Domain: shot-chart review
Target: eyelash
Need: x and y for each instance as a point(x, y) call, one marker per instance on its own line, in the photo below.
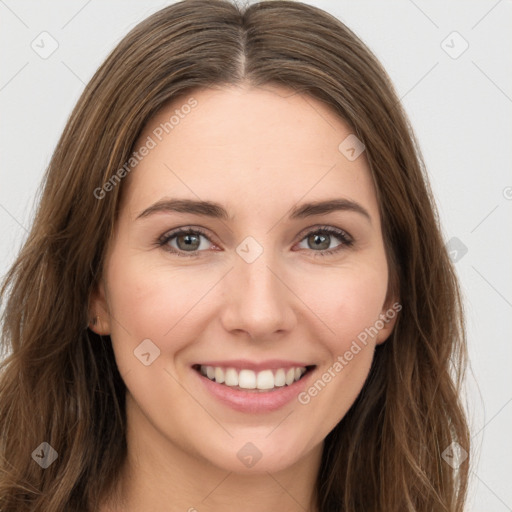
point(345, 239)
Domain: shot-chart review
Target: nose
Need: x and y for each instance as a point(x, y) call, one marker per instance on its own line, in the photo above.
point(258, 299)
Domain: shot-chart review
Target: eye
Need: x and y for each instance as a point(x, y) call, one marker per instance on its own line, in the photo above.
point(322, 237)
point(189, 240)
point(184, 240)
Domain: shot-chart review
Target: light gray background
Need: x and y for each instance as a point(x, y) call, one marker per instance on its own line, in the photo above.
point(460, 109)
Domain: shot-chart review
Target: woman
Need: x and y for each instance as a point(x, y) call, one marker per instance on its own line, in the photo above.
point(235, 294)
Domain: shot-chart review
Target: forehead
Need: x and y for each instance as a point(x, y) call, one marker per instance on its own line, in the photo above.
point(260, 143)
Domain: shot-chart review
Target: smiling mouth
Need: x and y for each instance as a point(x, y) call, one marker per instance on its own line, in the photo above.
point(251, 381)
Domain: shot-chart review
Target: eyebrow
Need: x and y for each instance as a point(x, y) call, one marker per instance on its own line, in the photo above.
point(217, 211)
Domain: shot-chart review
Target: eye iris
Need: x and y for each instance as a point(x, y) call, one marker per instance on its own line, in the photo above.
point(192, 242)
point(323, 239)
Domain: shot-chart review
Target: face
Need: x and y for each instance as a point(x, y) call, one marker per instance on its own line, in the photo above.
point(254, 290)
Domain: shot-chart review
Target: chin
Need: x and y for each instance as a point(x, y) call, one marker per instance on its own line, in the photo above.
point(260, 454)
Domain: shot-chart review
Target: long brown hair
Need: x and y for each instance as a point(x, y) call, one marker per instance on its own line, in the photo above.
point(59, 382)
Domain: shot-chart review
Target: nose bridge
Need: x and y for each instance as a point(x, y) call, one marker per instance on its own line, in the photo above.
point(258, 300)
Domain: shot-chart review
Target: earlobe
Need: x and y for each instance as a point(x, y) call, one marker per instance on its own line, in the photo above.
point(99, 317)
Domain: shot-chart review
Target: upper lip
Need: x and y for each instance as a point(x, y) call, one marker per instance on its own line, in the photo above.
point(269, 364)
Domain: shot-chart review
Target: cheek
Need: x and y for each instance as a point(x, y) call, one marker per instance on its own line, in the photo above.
point(350, 306)
point(153, 302)
point(348, 302)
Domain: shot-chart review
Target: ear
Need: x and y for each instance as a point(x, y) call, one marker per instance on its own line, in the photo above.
point(387, 320)
point(99, 316)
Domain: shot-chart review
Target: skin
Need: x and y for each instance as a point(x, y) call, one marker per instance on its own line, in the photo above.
point(258, 152)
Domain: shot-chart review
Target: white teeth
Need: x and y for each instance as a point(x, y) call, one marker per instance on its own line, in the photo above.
point(219, 375)
point(290, 376)
point(248, 379)
point(231, 377)
point(279, 378)
point(210, 372)
point(265, 380)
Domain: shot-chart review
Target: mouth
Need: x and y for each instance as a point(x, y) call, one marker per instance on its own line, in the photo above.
point(252, 381)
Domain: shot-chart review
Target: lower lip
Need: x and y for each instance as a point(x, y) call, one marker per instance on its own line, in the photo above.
point(255, 401)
